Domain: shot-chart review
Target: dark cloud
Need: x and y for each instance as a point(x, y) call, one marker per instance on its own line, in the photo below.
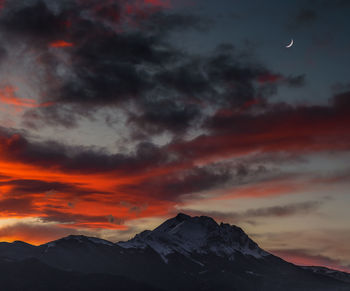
point(26, 187)
point(192, 180)
point(121, 54)
point(281, 211)
point(158, 116)
point(251, 215)
point(282, 128)
point(85, 220)
point(82, 159)
point(189, 79)
point(54, 115)
point(33, 20)
point(109, 66)
point(173, 186)
point(276, 128)
point(24, 206)
point(187, 89)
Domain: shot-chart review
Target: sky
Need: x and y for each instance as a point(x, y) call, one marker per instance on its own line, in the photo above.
point(118, 114)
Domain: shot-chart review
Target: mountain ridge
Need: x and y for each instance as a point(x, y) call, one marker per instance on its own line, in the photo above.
point(201, 234)
point(183, 253)
point(180, 217)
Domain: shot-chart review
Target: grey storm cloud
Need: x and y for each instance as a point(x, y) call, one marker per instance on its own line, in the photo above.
point(110, 63)
point(265, 212)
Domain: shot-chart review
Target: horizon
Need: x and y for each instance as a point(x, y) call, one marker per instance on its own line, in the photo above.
point(217, 222)
point(117, 114)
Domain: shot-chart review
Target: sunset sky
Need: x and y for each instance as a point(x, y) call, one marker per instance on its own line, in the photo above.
point(118, 114)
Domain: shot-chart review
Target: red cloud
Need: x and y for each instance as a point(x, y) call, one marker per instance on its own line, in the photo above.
point(61, 43)
point(281, 129)
point(87, 194)
point(8, 96)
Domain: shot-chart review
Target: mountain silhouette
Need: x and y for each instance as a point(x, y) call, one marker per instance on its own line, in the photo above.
point(183, 253)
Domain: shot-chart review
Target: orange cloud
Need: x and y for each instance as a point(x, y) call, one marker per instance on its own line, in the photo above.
point(8, 96)
point(72, 200)
point(61, 43)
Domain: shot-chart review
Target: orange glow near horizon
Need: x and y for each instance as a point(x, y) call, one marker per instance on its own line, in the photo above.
point(25, 238)
point(304, 260)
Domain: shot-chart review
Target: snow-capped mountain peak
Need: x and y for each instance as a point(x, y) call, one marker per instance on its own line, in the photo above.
point(195, 235)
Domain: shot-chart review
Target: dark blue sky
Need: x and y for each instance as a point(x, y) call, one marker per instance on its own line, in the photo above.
point(320, 30)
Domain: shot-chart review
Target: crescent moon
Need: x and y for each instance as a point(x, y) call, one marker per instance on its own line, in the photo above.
point(291, 44)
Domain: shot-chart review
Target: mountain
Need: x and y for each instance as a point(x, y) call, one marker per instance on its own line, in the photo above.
point(198, 235)
point(183, 253)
